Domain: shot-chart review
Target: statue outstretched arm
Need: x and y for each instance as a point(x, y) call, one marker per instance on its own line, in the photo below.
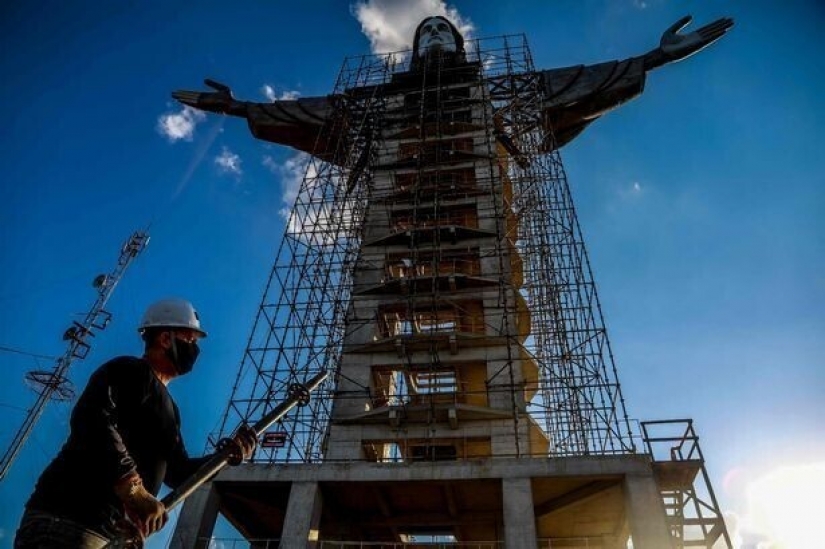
point(675, 47)
point(296, 123)
point(219, 101)
point(576, 96)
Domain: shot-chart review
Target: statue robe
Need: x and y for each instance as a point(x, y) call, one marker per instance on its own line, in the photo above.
point(574, 97)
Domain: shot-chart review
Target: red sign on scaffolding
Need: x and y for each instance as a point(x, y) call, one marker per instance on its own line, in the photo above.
point(274, 439)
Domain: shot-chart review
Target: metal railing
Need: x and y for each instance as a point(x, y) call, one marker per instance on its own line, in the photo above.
point(693, 512)
point(542, 543)
point(240, 543)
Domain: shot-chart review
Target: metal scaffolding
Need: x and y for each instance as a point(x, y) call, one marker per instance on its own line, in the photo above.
point(307, 312)
point(301, 321)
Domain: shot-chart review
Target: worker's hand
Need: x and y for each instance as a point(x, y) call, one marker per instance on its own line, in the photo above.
point(142, 508)
point(246, 439)
point(240, 446)
point(220, 101)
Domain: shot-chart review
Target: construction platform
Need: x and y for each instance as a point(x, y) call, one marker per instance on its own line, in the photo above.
point(594, 502)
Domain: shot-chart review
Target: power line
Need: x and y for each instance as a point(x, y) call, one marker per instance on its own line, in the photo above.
point(12, 407)
point(26, 353)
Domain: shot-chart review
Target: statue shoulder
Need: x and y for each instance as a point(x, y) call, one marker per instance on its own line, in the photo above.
point(568, 85)
point(302, 110)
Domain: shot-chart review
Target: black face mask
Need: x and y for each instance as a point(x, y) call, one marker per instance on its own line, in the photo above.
point(183, 355)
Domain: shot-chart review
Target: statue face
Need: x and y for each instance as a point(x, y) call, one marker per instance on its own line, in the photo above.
point(435, 34)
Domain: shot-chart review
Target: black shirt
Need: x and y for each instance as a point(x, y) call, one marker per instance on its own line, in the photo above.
point(124, 421)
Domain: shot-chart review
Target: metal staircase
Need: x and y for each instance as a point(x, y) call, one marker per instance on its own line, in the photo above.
point(693, 513)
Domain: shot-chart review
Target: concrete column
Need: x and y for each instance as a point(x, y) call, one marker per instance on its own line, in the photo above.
point(197, 519)
point(519, 516)
point(611, 542)
point(303, 516)
point(646, 511)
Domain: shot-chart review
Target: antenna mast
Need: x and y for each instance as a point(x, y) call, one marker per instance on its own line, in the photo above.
point(53, 384)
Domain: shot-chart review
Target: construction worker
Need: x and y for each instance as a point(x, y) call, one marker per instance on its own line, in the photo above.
point(124, 441)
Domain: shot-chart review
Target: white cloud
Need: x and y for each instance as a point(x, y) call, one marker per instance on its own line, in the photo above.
point(782, 508)
point(489, 61)
point(291, 174)
point(640, 4)
point(311, 203)
point(180, 125)
point(732, 523)
point(229, 162)
point(630, 192)
point(390, 24)
point(786, 504)
point(269, 162)
point(286, 95)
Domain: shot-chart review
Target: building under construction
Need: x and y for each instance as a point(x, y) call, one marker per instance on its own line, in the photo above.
point(434, 265)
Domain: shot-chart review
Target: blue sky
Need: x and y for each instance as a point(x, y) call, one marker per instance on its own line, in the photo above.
point(701, 202)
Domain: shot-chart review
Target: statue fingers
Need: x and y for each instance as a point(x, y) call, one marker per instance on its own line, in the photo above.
point(217, 85)
point(718, 27)
point(712, 34)
point(679, 25)
point(187, 97)
point(713, 37)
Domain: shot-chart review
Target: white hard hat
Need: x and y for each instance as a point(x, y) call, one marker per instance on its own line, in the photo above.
point(171, 313)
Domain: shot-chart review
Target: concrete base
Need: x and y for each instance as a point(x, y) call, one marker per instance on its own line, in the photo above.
point(519, 515)
point(643, 499)
point(303, 516)
point(599, 501)
point(197, 518)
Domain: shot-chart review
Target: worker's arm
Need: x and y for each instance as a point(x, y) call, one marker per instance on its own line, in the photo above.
point(180, 466)
point(95, 419)
point(116, 387)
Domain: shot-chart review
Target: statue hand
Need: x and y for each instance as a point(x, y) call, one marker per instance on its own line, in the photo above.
point(674, 46)
point(218, 101)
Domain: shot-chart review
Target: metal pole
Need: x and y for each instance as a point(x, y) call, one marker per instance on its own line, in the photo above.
point(298, 395)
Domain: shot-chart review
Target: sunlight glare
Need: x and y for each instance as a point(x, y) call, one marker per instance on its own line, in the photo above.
point(786, 505)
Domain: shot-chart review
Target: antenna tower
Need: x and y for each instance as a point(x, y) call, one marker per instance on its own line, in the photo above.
point(53, 384)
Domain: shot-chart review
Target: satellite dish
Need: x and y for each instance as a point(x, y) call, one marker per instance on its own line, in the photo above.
point(100, 281)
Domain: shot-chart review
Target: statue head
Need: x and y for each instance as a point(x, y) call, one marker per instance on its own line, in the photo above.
point(436, 34)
